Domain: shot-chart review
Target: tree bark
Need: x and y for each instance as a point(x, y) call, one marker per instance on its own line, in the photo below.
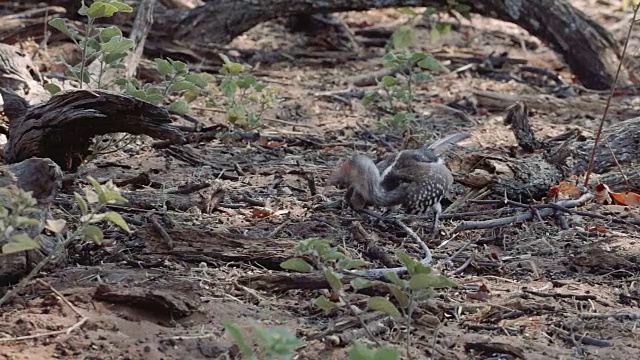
point(587, 47)
point(62, 128)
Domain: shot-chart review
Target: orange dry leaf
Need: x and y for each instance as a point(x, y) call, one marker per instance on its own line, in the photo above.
point(264, 141)
point(563, 191)
point(261, 212)
point(594, 229)
point(604, 195)
point(626, 199)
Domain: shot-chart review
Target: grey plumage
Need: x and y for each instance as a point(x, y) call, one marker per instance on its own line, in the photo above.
point(416, 180)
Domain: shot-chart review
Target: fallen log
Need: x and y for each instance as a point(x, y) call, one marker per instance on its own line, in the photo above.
point(594, 62)
point(62, 128)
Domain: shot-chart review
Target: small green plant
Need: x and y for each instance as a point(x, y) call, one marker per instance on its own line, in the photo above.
point(396, 93)
point(18, 215)
point(273, 343)
point(243, 97)
point(177, 83)
point(20, 203)
point(106, 45)
point(404, 35)
point(18, 218)
point(361, 351)
point(407, 293)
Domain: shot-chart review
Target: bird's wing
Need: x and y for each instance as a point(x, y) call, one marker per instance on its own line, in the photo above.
point(442, 144)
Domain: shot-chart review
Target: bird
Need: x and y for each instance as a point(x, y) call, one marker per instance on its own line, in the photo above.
point(415, 180)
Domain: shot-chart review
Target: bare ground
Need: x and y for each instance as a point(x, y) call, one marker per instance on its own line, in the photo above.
point(177, 300)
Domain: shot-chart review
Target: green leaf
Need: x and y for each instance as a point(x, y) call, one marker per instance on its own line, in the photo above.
point(381, 304)
point(246, 81)
point(74, 71)
point(399, 294)
point(228, 88)
point(112, 59)
point(117, 44)
point(116, 219)
point(99, 10)
point(387, 353)
point(360, 283)
point(236, 68)
point(190, 95)
point(348, 264)
point(325, 304)
point(407, 261)
point(93, 46)
point(183, 85)
point(111, 196)
point(196, 79)
point(360, 351)
point(394, 278)
point(26, 221)
point(408, 11)
point(417, 56)
point(93, 233)
point(83, 9)
point(60, 25)
point(425, 281)
point(52, 88)
point(429, 11)
point(431, 63)
point(122, 7)
point(224, 58)
point(403, 37)
point(19, 243)
point(389, 81)
point(438, 30)
point(155, 99)
point(163, 66)
point(96, 185)
point(84, 208)
point(108, 33)
point(278, 342)
point(122, 81)
point(297, 264)
point(334, 279)
point(238, 338)
point(179, 66)
point(180, 106)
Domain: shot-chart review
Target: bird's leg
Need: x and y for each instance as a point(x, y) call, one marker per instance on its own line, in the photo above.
point(437, 210)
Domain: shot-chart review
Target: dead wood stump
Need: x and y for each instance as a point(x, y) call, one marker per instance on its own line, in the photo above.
point(62, 128)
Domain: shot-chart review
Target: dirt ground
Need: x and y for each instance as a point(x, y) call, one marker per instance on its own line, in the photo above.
point(527, 289)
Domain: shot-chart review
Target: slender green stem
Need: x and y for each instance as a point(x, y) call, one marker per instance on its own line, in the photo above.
point(89, 28)
point(409, 314)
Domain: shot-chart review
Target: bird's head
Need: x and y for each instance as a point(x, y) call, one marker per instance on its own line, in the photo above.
point(354, 170)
